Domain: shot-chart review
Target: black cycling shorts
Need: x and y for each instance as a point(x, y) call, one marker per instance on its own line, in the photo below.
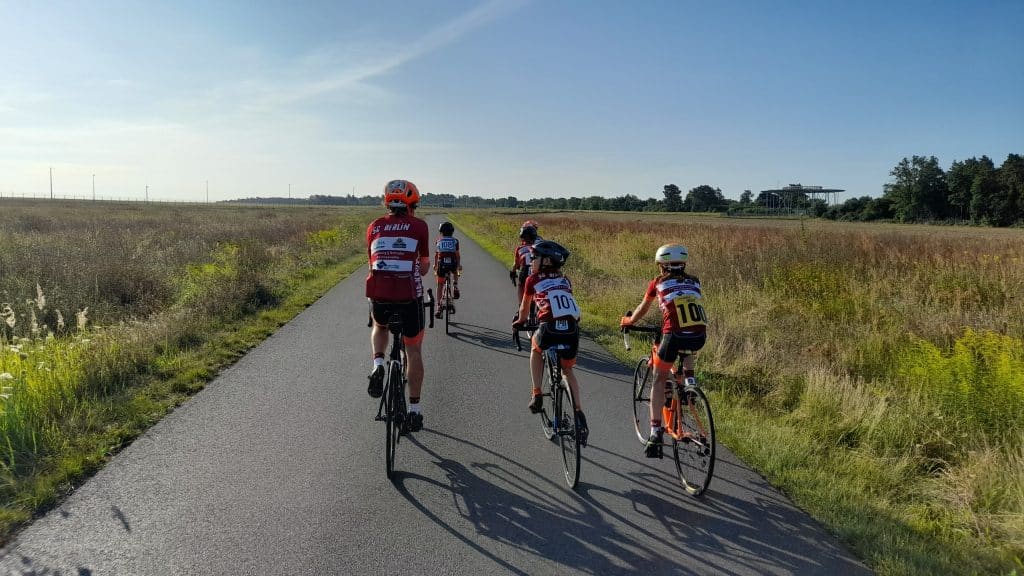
point(443, 269)
point(674, 343)
point(552, 333)
point(411, 313)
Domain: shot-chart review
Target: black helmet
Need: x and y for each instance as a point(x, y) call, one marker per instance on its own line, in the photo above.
point(528, 233)
point(447, 229)
point(553, 251)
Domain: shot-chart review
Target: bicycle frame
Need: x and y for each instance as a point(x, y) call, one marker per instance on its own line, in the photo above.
point(392, 405)
point(669, 415)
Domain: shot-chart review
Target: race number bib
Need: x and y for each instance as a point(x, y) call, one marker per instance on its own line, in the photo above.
point(446, 245)
point(689, 312)
point(563, 304)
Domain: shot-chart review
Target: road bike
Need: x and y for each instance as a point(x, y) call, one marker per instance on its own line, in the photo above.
point(392, 409)
point(687, 419)
point(448, 300)
point(558, 414)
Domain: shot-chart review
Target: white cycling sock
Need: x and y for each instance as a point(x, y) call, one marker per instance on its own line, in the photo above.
point(378, 362)
point(414, 408)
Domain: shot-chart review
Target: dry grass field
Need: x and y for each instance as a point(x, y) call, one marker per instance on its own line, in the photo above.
point(111, 314)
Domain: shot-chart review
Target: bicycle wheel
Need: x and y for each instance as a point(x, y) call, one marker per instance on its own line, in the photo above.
point(546, 424)
point(447, 302)
point(695, 453)
point(568, 439)
point(393, 417)
point(642, 390)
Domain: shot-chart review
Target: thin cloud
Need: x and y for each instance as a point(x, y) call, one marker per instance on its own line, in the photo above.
point(356, 75)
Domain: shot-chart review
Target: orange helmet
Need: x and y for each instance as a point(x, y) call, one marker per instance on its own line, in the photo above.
point(531, 223)
point(401, 194)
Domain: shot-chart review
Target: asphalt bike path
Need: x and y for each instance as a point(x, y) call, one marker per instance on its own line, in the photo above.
point(277, 467)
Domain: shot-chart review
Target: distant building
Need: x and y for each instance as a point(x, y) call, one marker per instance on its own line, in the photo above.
point(793, 195)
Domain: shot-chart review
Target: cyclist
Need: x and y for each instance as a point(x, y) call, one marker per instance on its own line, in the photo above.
point(447, 259)
point(558, 317)
point(521, 268)
point(397, 245)
point(683, 327)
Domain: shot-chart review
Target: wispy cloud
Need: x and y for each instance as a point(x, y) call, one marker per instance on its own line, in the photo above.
point(355, 75)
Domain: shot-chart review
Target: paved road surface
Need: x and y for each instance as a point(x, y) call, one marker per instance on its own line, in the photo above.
point(277, 468)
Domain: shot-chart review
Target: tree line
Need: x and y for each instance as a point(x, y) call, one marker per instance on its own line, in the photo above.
point(972, 190)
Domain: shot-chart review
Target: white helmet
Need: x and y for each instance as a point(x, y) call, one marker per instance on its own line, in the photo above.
point(671, 255)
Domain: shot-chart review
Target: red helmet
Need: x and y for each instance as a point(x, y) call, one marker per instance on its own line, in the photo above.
point(531, 224)
point(401, 194)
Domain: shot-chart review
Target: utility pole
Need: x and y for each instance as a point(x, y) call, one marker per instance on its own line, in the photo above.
point(147, 192)
point(51, 182)
point(289, 191)
point(93, 187)
point(207, 191)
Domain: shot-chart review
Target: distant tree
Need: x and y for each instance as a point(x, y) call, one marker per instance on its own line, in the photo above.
point(990, 202)
point(1011, 176)
point(877, 209)
point(673, 198)
point(704, 198)
point(960, 179)
point(818, 207)
point(747, 197)
point(918, 190)
point(852, 209)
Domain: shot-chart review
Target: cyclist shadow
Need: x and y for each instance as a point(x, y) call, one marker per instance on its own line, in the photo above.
point(702, 525)
point(489, 338)
point(511, 504)
point(592, 360)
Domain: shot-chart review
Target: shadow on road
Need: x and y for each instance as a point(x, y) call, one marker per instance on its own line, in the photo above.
point(512, 505)
point(30, 568)
point(508, 504)
point(488, 338)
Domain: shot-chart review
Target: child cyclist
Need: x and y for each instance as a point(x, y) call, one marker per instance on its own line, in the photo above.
point(558, 317)
point(683, 327)
point(447, 259)
point(521, 267)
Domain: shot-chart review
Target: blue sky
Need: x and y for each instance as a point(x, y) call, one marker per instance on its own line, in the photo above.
point(499, 97)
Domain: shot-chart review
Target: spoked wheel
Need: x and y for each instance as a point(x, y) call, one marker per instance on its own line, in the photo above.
point(642, 388)
point(394, 417)
point(567, 437)
point(695, 453)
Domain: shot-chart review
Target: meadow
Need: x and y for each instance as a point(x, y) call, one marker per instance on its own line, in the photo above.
point(111, 314)
point(874, 373)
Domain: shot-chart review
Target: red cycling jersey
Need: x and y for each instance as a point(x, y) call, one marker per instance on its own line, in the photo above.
point(523, 255)
point(552, 293)
point(680, 303)
point(395, 244)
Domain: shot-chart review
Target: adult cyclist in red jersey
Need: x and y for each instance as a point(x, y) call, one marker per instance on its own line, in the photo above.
point(683, 327)
point(447, 259)
point(398, 245)
point(558, 317)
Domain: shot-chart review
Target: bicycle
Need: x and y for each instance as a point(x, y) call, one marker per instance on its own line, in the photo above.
point(692, 430)
point(447, 301)
point(561, 423)
point(392, 408)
